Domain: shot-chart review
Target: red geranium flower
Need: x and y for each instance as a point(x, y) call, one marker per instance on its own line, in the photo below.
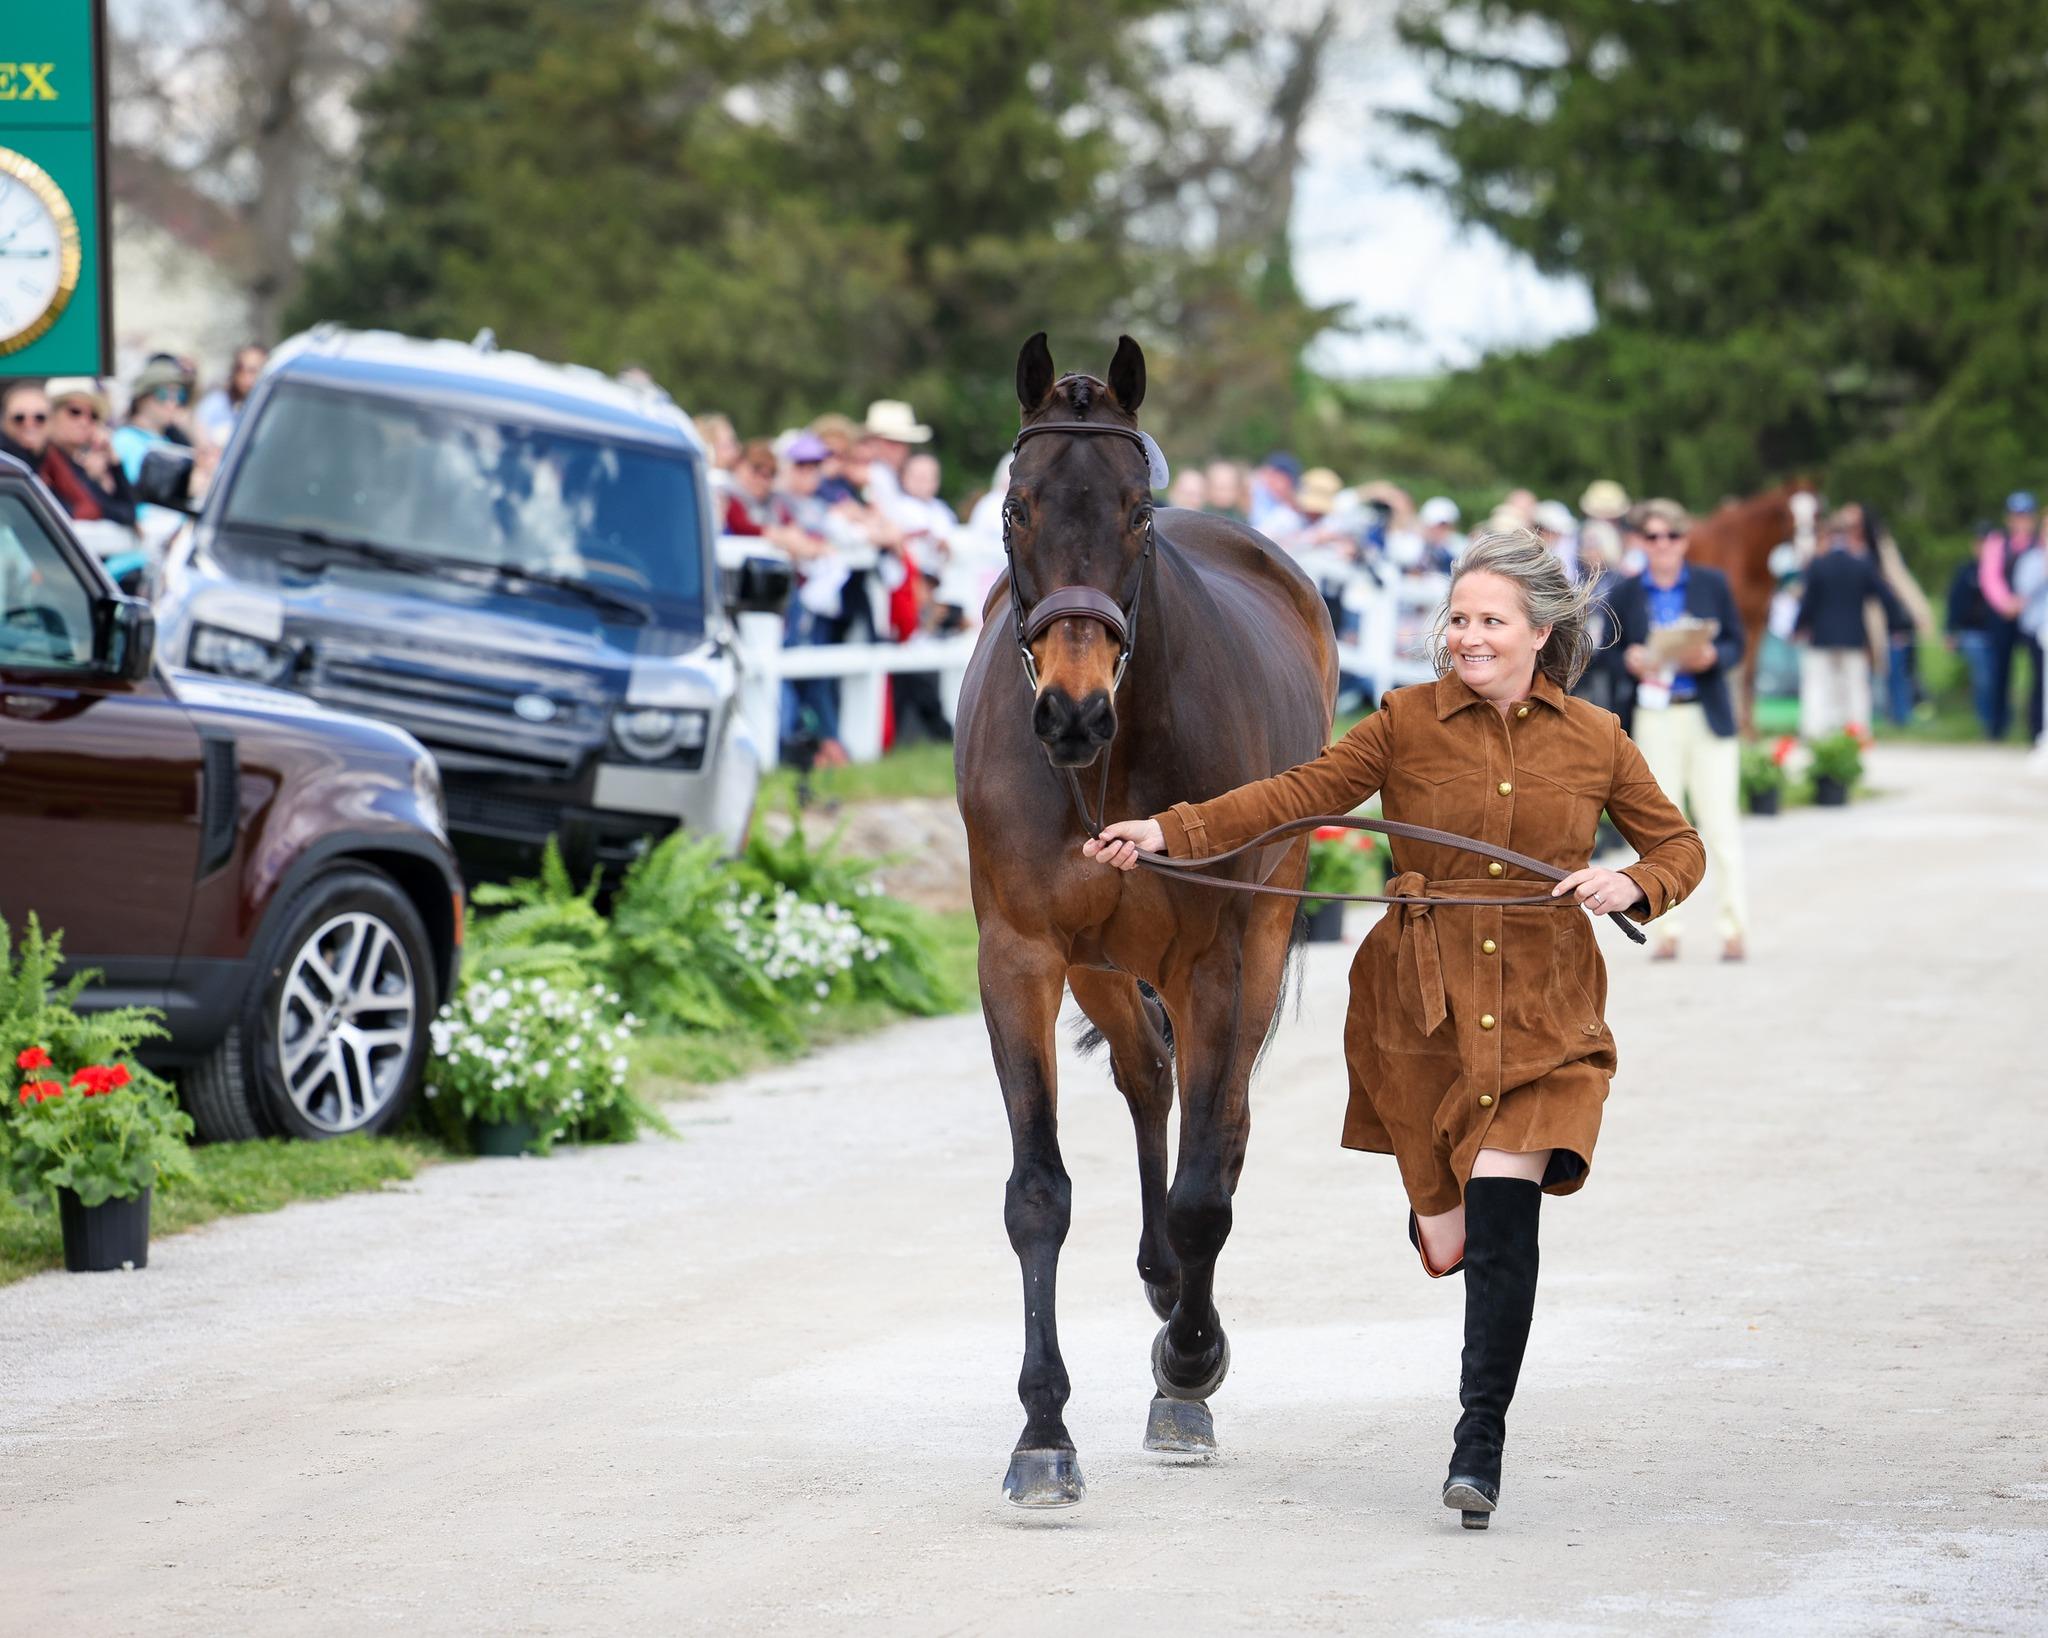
point(39, 1090)
point(1331, 833)
point(33, 1058)
point(98, 1078)
point(1787, 744)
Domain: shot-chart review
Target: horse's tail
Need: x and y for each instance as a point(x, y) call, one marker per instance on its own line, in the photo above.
point(1088, 1039)
point(1290, 985)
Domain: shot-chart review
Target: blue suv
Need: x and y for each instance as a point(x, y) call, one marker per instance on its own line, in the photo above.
point(512, 560)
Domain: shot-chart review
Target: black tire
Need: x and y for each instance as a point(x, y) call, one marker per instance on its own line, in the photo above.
point(240, 1089)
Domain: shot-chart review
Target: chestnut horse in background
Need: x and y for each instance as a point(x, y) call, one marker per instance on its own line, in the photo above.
point(1192, 655)
point(1738, 538)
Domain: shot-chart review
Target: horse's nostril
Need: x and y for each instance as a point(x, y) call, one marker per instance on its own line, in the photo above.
point(1051, 716)
point(1098, 718)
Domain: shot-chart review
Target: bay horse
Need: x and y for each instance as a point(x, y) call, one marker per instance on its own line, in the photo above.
point(1174, 655)
point(1739, 537)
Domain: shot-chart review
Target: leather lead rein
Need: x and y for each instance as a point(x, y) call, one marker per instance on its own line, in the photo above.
point(1097, 605)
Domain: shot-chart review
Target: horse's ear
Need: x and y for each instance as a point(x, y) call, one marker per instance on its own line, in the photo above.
point(1034, 373)
point(1127, 374)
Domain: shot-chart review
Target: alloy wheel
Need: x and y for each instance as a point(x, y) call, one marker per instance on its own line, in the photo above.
point(346, 1021)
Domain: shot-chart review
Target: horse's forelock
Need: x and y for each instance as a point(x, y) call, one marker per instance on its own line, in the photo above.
point(1074, 397)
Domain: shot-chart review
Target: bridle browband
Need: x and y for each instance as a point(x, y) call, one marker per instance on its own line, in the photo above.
point(1078, 601)
point(1122, 620)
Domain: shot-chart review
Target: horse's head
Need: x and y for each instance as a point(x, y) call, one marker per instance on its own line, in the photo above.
point(1078, 525)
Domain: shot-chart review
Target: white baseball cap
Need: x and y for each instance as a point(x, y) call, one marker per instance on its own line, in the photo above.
point(1555, 516)
point(1439, 509)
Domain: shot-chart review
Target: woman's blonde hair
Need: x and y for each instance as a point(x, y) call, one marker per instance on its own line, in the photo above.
point(1548, 599)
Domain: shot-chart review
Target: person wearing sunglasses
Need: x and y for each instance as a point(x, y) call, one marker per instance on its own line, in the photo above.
point(79, 466)
point(157, 407)
point(1682, 714)
point(25, 422)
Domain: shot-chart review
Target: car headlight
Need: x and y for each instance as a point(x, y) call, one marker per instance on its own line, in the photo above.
point(653, 734)
point(237, 654)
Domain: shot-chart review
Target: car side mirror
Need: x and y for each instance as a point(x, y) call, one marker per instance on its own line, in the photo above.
point(126, 638)
point(758, 585)
point(166, 480)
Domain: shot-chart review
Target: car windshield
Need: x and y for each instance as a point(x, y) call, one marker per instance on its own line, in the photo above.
point(475, 490)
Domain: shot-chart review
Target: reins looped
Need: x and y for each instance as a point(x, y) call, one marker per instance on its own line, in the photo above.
point(1097, 605)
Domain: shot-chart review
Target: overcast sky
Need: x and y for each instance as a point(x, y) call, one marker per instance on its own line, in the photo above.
point(1394, 252)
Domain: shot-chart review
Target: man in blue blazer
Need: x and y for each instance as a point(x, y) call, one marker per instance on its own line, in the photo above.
point(1680, 711)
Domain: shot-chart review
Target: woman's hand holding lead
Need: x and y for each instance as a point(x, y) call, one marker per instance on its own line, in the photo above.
point(1120, 843)
point(1601, 892)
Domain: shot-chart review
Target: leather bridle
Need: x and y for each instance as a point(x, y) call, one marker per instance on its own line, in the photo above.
point(1121, 618)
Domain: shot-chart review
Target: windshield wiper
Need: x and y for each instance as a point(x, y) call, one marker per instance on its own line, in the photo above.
point(370, 551)
point(512, 573)
point(475, 573)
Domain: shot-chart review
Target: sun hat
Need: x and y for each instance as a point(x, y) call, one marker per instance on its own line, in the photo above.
point(158, 373)
point(59, 388)
point(893, 419)
point(1604, 498)
point(1439, 509)
point(1318, 489)
point(1555, 516)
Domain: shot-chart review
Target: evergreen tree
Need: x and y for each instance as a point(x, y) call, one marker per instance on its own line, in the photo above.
point(783, 206)
point(1813, 231)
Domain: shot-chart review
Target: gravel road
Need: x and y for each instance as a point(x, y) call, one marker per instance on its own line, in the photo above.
point(1787, 1374)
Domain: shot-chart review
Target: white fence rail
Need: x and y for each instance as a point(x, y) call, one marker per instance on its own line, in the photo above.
point(1389, 649)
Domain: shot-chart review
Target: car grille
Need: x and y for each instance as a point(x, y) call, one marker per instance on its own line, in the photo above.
point(461, 713)
point(516, 818)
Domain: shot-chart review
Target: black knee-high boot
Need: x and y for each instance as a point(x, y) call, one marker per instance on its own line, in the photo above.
point(1500, 1297)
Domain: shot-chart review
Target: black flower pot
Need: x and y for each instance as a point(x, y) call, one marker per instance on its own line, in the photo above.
point(504, 1137)
point(97, 1239)
point(1326, 924)
point(1764, 802)
point(1829, 793)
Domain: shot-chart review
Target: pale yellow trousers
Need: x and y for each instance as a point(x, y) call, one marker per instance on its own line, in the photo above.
point(1701, 772)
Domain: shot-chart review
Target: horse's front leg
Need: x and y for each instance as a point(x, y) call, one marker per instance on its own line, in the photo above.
point(1021, 981)
point(1223, 1011)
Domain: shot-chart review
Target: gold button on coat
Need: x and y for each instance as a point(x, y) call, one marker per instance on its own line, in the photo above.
point(1506, 788)
point(1486, 1020)
point(1489, 946)
point(1522, 711)
point(1486, 1100)
point(1494, 869)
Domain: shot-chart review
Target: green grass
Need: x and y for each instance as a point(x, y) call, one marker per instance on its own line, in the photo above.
point(234, 1178)
point(917, 770)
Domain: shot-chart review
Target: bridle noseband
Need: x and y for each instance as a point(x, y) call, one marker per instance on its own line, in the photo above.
point(1084, 601)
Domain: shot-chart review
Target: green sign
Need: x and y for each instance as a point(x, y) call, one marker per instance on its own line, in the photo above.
point(55, 233)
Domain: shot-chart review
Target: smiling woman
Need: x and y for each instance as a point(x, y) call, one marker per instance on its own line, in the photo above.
point(1478, 1054)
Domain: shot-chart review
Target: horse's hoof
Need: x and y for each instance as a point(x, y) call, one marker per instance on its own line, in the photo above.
point(1176, 1390)
point(1162, 1298)
point(1044, 1478)
point(1180, 1427)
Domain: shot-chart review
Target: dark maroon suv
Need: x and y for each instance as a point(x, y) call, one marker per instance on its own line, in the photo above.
point(274, 875)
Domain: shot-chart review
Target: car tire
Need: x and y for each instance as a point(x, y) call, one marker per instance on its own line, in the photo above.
point(332, 1037)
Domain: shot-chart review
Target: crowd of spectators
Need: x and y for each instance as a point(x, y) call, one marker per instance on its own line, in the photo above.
point(88, 448)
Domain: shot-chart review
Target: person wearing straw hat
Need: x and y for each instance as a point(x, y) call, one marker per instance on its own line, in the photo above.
point(79, 465)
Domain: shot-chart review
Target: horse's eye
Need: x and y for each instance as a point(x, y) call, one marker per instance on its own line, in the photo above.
point(1014, 511)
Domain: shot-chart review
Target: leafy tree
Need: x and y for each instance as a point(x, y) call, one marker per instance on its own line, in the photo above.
point(782, 206)
point(1813, 231)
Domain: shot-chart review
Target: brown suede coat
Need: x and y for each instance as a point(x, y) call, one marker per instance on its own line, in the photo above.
point(1475, 1026)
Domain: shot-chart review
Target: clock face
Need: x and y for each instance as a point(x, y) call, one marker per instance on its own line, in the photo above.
point(39, 251)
